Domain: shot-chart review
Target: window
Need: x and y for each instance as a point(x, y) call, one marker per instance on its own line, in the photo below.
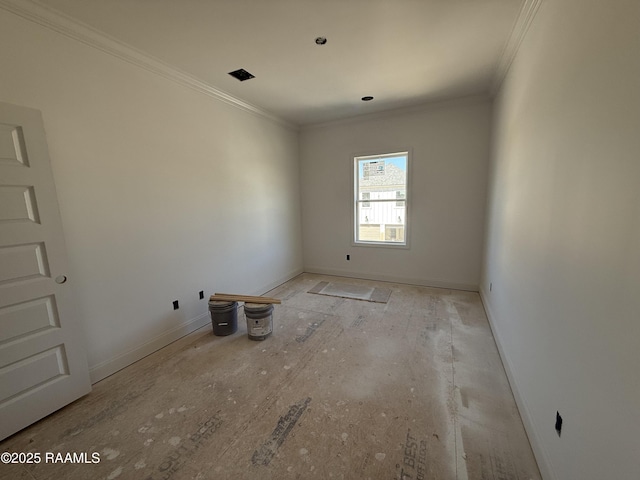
point(380, 199)
point(366, 196)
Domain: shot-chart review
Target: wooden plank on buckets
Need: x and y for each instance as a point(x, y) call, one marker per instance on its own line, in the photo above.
point(229, 297)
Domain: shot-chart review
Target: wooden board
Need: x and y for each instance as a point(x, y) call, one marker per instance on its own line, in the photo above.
point(228, 297)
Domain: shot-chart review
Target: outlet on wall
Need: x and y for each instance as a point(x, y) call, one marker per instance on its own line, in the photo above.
point(201, 294)
point(176, 305)
point(348, 257)
point(558, 423)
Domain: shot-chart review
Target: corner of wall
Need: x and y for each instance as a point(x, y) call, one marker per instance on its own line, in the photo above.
point(539, 451)
point(381, 277)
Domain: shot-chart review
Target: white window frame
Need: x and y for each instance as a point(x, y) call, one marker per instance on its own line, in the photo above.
point(355, 200)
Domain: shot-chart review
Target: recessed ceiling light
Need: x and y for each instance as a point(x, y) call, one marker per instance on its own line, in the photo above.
point(241, 74)
point(321, 40)
point(367, 98)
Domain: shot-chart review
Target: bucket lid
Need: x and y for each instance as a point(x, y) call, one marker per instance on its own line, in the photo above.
point(220, 303)
point(257, 306)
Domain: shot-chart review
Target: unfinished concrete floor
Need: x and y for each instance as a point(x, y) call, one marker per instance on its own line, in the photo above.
point(344, 389)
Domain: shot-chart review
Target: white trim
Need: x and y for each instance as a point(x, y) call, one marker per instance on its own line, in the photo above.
point(355, 158)
point(382, 200)
point(112, 365)
point(542, 457)
point(381, 277)
point(279, 281)
point(520, 27)
point(419, 108)
point(58, 22)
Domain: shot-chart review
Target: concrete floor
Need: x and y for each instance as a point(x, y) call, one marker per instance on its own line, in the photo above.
point(344, 389)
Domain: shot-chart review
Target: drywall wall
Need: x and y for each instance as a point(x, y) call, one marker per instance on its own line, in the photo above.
point(450, 151)
point(562, 262)
point(163, 191)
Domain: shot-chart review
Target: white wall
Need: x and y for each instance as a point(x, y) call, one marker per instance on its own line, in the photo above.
point(450, 145)
point(163, 191)
point(563, 236)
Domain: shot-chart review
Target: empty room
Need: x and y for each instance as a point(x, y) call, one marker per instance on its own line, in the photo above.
point(291, 239)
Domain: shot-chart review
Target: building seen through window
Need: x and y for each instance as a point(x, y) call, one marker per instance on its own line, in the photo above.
point(380, 194)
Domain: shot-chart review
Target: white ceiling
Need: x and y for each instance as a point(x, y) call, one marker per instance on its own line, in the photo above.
point(402, 52)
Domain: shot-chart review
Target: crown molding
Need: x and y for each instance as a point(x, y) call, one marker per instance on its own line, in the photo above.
point(61, 23)
point(419, 108)
point(518, 32)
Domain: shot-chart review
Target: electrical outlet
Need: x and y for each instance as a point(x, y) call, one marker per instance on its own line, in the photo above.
point(490, 286)
point(176, 305)
point(348, 257)
point(201, 294)
point(558, 423)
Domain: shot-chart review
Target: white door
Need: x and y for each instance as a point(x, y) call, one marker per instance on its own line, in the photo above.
point(42, 361)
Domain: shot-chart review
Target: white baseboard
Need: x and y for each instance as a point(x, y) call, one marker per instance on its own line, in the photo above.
point(537, 446)
point(279, 281)
point(112, 365)
point(393, 279)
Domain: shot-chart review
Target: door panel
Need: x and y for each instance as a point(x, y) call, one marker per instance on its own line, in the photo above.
point(12, 149)
point(22, 262)
point(42, 362)
point(28, 317)
point(30, 373)
point(17, 204)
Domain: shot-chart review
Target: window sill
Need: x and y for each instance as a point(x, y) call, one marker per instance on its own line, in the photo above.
point(402, 246)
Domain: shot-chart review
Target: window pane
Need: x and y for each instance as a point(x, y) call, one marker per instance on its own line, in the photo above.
point(381, 222)
point(381, 198)
point(394, 233)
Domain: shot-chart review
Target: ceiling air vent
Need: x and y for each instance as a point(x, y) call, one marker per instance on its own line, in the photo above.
point(241, 75)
